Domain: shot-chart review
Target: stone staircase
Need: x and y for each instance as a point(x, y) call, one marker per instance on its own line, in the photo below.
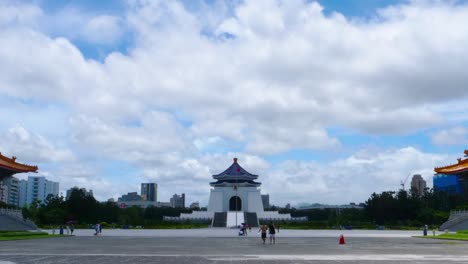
point(251, 219)
point(458, 220)
point(219, 219)
point(234, 219)
point(12, 220)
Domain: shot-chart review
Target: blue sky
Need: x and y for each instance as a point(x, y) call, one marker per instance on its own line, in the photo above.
point(318, 98)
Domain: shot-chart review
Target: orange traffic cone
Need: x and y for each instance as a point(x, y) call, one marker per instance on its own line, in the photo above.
point(342, 242)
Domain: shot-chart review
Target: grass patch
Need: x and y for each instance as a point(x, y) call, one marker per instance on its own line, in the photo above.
point(19, 235)
point(460, 235)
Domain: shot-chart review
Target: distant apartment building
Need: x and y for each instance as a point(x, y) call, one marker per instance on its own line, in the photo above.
point(418, 184)
point(23, 192)
point(266, 201)
point(13, 190)
point(195, 205)
point(3, 193)
point(178, 201)
point(130, 197)
point(86, 193)
point(149, 192)
point(36, 188)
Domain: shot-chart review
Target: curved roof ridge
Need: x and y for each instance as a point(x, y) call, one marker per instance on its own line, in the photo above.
point(235, 171)
point(460, 166)
point(11, 164)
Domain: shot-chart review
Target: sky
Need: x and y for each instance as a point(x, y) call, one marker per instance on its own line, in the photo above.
point(327, 101)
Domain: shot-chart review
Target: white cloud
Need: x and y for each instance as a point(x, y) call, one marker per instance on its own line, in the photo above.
point(452, 136)
point(19, 14)
point(103, 29)
point(157, 139)
point(31, 147)
point(287, 74)
point(277, 139)
point(352, 179)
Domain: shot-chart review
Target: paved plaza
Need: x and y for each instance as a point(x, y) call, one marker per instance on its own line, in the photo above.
point(223, 246)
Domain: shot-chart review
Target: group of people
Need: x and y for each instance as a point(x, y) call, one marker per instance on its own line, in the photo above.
point(98, 229)
point(69, 228)
point(271, 228)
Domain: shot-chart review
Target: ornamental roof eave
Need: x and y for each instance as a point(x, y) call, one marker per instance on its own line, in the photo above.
point(235, 171)
point(227, 183)
point(450, 170)
point(11, 164)
point(460, 166)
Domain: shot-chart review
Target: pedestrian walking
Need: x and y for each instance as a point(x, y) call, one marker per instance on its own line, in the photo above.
point(263, 229)
point(96, 228)
point(272, 232)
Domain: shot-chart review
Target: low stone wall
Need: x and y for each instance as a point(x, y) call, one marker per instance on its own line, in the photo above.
point(275, 216)
point(12, 212)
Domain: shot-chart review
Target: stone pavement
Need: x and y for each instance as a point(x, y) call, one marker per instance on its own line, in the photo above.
point(225, 232)
point(359, 248)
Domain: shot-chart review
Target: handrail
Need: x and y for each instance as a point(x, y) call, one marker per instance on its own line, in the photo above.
point(455, 217)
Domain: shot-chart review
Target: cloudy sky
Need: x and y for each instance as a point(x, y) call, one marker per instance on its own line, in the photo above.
point(328, 101)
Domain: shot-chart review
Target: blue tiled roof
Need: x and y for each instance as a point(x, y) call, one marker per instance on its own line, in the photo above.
point(235, 171)
point(235, 181)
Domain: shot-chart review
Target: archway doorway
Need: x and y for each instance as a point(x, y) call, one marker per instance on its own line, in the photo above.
point(235, 204)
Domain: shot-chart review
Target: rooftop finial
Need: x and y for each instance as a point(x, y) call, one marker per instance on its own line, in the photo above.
point(235, 160)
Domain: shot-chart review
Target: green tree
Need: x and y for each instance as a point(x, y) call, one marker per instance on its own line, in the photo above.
point(81, 207)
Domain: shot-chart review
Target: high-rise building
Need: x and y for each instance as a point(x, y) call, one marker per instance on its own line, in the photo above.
point(36, 188)
point(418, 184)
point(178, 201)
point(13, 190)
point(87, 193)
point(266, 200)
point(149, 191)
point(23, 192)
point(3, 193)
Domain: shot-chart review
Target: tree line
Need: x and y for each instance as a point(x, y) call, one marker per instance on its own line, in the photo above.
point(394, 209)
point(397, 209)
point(83, 210)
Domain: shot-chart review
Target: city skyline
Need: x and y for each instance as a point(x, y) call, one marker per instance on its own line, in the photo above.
point(327, 101)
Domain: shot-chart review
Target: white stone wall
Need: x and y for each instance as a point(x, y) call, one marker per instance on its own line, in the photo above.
point(255, 201)
point(273, 215)
point(250, 197)
point(197, 215)
point(216, 201)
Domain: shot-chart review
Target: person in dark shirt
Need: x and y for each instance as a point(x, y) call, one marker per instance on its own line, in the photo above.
point(272, 232)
